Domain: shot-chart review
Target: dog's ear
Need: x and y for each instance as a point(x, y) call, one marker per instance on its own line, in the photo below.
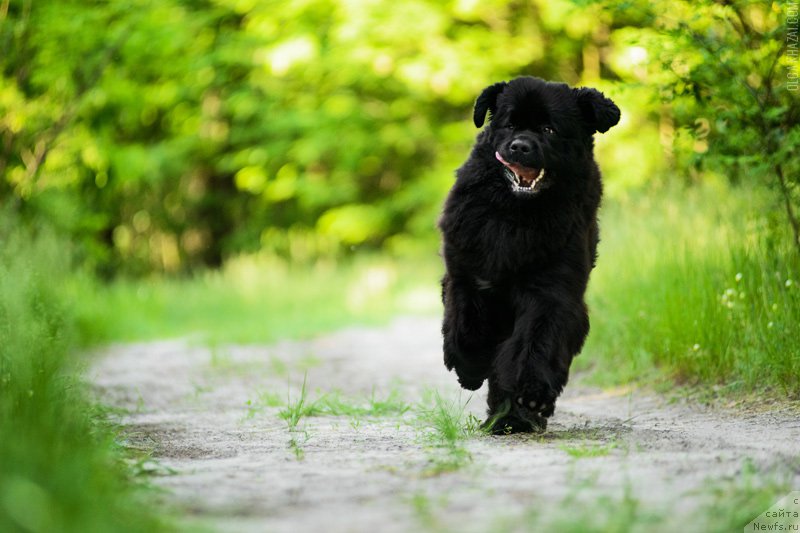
point(487, 101)
point(597, 110)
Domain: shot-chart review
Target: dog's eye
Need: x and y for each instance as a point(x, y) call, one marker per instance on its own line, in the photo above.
point(510, 126)
point(548, 130)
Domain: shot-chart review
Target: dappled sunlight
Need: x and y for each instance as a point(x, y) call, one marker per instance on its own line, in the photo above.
point(411, 295)
point(373, 283)
point(251, 275)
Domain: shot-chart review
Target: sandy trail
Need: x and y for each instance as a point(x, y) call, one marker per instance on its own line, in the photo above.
point(231, 465)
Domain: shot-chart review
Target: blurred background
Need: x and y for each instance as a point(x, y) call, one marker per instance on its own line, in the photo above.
point(250, 170)
point(171, 136)
point(256, 169)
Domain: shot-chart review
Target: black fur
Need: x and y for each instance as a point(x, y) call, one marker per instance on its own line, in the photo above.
point(518, 261)
point(487, 101)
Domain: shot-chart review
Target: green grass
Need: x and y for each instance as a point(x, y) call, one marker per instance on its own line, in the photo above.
point(696, 284)
point(256, 299)
point(295, 409)
point(589, 450)
point(604, 514)
point(264, 400)
point(328, 404)
point(722, 505)
point(61, 468)
point(373, 406)
point(445, 427)
point(333, 404)
point(731, 504)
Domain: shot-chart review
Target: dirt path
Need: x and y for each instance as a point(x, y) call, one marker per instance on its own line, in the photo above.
point(235, 465)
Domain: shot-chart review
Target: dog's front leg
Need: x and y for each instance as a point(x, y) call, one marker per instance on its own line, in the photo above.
point(467, 330)
point(532, 365)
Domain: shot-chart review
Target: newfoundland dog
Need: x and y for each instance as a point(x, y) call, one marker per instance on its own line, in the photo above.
point(520, 233)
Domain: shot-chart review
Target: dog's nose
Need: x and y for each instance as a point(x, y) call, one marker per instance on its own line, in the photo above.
point(521, 146)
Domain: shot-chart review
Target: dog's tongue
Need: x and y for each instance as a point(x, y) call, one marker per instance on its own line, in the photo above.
point(526, 175)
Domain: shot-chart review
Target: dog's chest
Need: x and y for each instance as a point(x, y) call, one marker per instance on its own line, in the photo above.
point(499, 248)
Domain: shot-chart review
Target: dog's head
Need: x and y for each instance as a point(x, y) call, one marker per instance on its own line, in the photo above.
point(541, 132)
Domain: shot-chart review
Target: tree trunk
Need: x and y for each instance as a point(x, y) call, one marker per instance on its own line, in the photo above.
point(787, 198)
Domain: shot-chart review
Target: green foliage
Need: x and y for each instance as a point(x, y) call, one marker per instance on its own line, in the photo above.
point(728, 74)
point(176, 133)
point(179, 133)
point(60, 468)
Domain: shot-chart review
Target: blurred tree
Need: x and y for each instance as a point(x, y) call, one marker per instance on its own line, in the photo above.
point(170, 134)
point(731, 89)
point(166, 134)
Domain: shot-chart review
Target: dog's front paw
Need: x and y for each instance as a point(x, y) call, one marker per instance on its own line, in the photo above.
point(507, 419)
point(519, 416)
point(522, 400)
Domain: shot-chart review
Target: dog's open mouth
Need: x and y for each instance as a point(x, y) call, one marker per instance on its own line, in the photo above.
point(522, 178)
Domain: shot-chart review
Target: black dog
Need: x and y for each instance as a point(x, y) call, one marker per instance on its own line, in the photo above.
point(520, 238)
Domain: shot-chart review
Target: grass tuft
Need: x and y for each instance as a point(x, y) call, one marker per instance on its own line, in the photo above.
point(446, 426)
